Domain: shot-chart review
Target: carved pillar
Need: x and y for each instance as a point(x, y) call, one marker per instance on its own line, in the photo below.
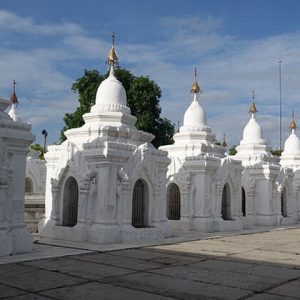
point(5, 178)
point(250, 201)
point(82, 204)
point(103, 188)
point(55, 211)
point(17, 160)
point(125, 203)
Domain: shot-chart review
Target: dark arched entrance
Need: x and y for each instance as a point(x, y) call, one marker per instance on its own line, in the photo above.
point(28, 185)
point(243, 202)
point(283, 202)
point(139, 204)
point(226, 209)
point(70, 202)
point(173, 202)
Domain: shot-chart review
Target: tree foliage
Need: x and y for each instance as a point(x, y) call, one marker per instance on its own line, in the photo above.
point(143, 96)
point(276, 152)
point(38, 147)
point(232, 150)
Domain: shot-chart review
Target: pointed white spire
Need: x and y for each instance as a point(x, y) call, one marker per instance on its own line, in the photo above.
point(253, 109)
point(290, 156)
point(111, 95)
point(195, 116)
point(112, 58)
point(14, 104)
point(293, 125)
point(252, 133)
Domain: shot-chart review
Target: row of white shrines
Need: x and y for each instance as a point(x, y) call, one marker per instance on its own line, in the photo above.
point(107, 183)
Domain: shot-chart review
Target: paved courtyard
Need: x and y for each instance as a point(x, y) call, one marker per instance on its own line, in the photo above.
point(261, 265)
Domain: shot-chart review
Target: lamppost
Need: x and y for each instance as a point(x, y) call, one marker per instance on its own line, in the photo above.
point(45, 134)
point(280, 110)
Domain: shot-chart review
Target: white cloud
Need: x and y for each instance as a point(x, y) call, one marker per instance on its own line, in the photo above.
point(12, 22)
point(193, 24)
point(228, 70)
point(228, 78)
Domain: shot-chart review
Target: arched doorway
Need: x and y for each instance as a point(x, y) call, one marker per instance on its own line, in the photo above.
point(139, 204)
point(283, 202)
point(70, 202)
point(28, 185)
point(243, 202)
point(226, 207)
point(173, 202)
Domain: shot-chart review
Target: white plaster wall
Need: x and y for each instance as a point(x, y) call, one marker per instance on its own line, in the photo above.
point(15, 138)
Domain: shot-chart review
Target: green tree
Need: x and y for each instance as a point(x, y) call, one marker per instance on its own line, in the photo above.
point(232, 150)
point(38, 147)
point(276, 152)
point(143, 97)
point(86, 88)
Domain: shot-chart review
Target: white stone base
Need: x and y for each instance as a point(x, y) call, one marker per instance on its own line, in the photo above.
point(204, 224)
point(104, 234)
point(48, 229)
point(15, 242)
point(266, 220)
point(249, 221)
point(182, 224)
point(22, 241)
point(130, 233)
point(290, 220)
point(208, 224)
point(227, 225)
point(165, 227)
point(5, 244)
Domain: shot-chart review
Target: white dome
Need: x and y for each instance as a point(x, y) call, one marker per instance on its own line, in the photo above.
point(252, 133)
point(292, 144)
point(195, 115)
point(111, 92)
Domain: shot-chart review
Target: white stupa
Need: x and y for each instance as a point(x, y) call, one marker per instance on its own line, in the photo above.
point(194, 137)
point(111, 95)
point(253, 147)
point(290, 156)
point(15, 138)
point(203, 185)
point(106, 182)
point(110, 109)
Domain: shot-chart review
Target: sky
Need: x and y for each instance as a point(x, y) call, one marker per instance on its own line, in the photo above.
point(235, 45)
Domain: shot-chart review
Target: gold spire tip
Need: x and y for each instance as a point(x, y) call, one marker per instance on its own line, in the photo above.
point(112, 58)
point(293, 124)
point(253, 109)
point(195, 87)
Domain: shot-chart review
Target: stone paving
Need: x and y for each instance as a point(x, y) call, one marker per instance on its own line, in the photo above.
point(263, 265)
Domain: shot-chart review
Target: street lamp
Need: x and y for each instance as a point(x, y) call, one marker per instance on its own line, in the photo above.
point(45, 134)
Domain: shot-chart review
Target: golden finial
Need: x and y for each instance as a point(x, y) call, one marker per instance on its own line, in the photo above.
point(112, 58)
point(253, 109)
point(224, 144)
point(13, 97)
point(293, 123)
point(195, 87)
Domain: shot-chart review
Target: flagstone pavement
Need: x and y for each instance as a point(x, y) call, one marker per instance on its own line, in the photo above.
point(247, 265)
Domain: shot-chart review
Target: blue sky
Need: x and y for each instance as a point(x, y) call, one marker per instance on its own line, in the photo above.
point(46, 45)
